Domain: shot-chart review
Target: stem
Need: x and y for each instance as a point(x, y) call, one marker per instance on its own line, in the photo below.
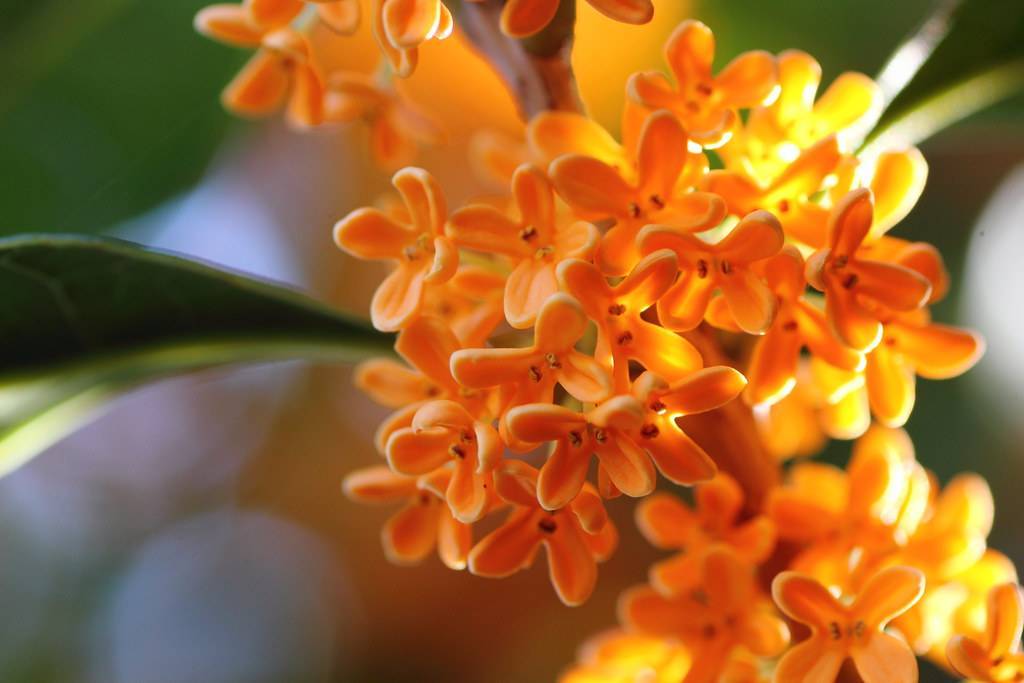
point(730, 436)
point(538, 69)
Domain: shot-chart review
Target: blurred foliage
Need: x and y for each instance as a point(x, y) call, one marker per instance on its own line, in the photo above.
point(108, 107)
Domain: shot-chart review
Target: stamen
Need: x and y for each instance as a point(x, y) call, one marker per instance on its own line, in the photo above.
point(616, 309)
point(575, 438)
point(850, 280)
point(702, 269)
point(528, 233)
point(649, 431)
point(789, 326)
point(552, 361)
point(457, 451)
point(547, 525)
point(634, 210)
point(833, 630)
point(657, 201)
point(535, 373)
point(600, 436)
point(625, 338)
point(726, 267)
point(704, 89)
point(657, 406)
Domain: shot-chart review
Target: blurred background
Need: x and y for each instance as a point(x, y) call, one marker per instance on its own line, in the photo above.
point(196, 532)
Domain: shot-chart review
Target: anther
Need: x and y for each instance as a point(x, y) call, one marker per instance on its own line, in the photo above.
point(625, 338)
point(552, 361)
point(702, 269)
point(575, 438)
point(726, 267)
point(858, 629)
point(535, 373)
point(547, 525)
point(600, 436)
point(789, 326)
point(704, 89)
point(528, 233)
point(699, 595)
point(616, 309)
point(850, 280)
point(457, 451)
point(634, 210)
point(692, 106)
point(784, 206)
point(657, 201)
point(657, 406)
point(833, 630)
point(649, 431)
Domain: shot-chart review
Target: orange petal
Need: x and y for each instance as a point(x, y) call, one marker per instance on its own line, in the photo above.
point(651, 90)
point(891, 386)
point(273, 13)
point(968, 658)
point(851, 101)
point(663, 351)
point(540, 422)
point(628, 11)
point(516, 483)
point(408, 23)
point(757, 236)
point(617, 251)
point(821, 342)
point(854, 326)
point(938, 351)
point(341, 16)
point(466, 494)
point(747, 80)
point(424, 198)
point(427, 344)
point(522, 18)
point(390, 147)
point(368, 233)
point(560, 324)
point(552, 134)
point(400, 419)
point(925, 259)
point(563, 474)
point(661, 155)
point(764, 634)
point(678, 457)
point(894, 286)
point(536, 199)
point(572, 569)
point(682, 308)
point(719, 501)
point(260, 88)
point(703, 390)
point(888, 594)
point(378, 484)
point(643, 609)
point(454, 541)
point(750, 301)
point(628, 466)
point(390, 383)
point(690, 50)
point(483, 368)
point(398, 299)
point(411, 533)
point(413, 452)
point(486, 229)
point(230, 24)
point(897, 183)
point(590, 512)
point(850, 222)
point(584, 378)
point(773, 365)
point(885, 659)
point(799, 77)
point(648, 281)
point(805, 600)
point(529, 285)
point(1005, 620)
point(665, 521)
point(676, 575)
point(812, 661)
point(585, 282)
point(509, 548)
point(591, 186)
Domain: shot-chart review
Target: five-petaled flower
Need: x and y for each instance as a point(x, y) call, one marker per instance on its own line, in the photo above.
point(423, 255)
point(852, 630)
point(576, 537)
point(536, 243)
point(706, 104)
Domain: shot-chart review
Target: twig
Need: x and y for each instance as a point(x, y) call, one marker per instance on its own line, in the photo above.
point(538, 70)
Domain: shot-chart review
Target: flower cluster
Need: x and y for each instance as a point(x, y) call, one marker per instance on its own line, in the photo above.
point(698, 300)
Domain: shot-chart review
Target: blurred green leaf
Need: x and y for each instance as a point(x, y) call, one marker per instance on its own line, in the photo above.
point(108, 108)
point(966, 57)
point(85, 318)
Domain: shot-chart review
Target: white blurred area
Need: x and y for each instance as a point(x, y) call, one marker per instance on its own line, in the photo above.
point(993, 296)
point(223, 594)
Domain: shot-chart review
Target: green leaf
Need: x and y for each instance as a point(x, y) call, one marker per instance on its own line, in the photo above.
point(107, 109)
point(966, 57)
point(83, 319)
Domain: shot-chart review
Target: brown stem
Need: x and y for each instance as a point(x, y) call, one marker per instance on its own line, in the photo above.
point(538, 70)
point(729, 434)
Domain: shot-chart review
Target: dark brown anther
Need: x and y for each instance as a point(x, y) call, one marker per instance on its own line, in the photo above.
point(575, 438)
point(535, 373)
point(625, 338)
point(704, 89)
point(457, 451)
point(702, 269)
point(466, 436)
point(657, 406)
point(433, 391)
point(411, 253)
point(840, 262)
point(649, 431)
point(424, 498)
point(634, 210)
point(657, 201)
point(709, 632)
point(528, 233)
point(850, 281)
point(552, 361)
point(858, 629)
point(699, 595)
point(547, 525)
point(616, 309)
point(789, 326)
point(784, 206)
point(600, 436)
point(692, 106)
point(834, 631)
point(726, 267)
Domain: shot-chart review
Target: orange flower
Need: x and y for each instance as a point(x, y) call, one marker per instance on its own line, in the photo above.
point(443, 431)
point(576, 537)
point(495, 157)
point(896, 179)
point(282, 68)
point(552, 134)
point(529, 374)
point(913, 345)
point(677, 456)
point(536, 242)
point(401, 26)
point(774, 135)
point(706, 104)
point(713, 620)
point(657, 191)
point(621, 657)
point(668, 523)
point(423, 255)
point(423, 523)
point(789, 195)
point(995, 657)
point(622, 334)
point(397, 127)
point(606, 431)
point(522, 18)
point(798, 324)
point(850, 282)
point(855, 630)
point(725, 265)
point(340, 15)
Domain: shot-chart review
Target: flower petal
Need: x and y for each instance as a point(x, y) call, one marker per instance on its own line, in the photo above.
point(891, 386)
point(413, 452)
point(682, 308)
point(454, 541)
point(812, 661)
point(369, 233)
point(488, 230)
point(1005, 619)
point(273, 13)
point(663, 352)
point(563, 474)
point(529, 285)
point(540, 422)
point(748, 79)
point(690, 51)
point(398, 298)
point(260, 87)
point(850, 222)
point(230, 24)
point(897, 183)
point(509, 548)
point(552, 134)
point(378, 484)
point(408, 23)
point(805, 600)
point(627, 11)
point(665, 521)
point(560, 324)
point(584, 281)
point(751, 302)
point(661, 155)
point(591, 186)
point(584, 378)
point(341, 16)
point(628, 466)
point(885, 659)
point(938, 351)
point(572, 568)
point(392, 384)
point(411, 533)
point(703, 390)
point(757, 236)
point(678, 457)
point(466, 494)
point(523, 18)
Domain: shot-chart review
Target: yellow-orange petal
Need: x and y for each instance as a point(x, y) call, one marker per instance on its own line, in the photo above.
point(411, 534)
point(454, 541)
point(377, 484)
point(411, 451)
point(850, 222)
point(665, 521)
point(661, 155)
point(644, 610)
point(260, 88)
point(408, 23)
point(585, 378)
point(273, 13)
point(703, 390)
point(891, 386)
point(886, 659)
point(522, 18)
point(805, 600)
point(690, 51)
point(340, 15)
point(486, 229)
point(751, 303)
point(509, 548)
point(850, 322)
point(663, 351)
point(773, 366)
point(628, 11)
point(489, 367)
point(398, 298)
point(811, 661)
point(552, 134)
point(968, 658)
point(540, 422)
point(563, 474)
point(427, 344)
point(369, 233)
point(678, 457)
point(571, 567)
point(592, 187)
point(748, 79)
point(585, 282)
point(628, 466)
point(683, 306)
point(898, 182)
point(888, 594)
point(648, 280)
point(466, 493)
point(757, 236)
point(229, 23)
point(1005, 620)
point(560, 324)
point(390, 383)
point(938, 351)
point(894, 286)
point(424, 198)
